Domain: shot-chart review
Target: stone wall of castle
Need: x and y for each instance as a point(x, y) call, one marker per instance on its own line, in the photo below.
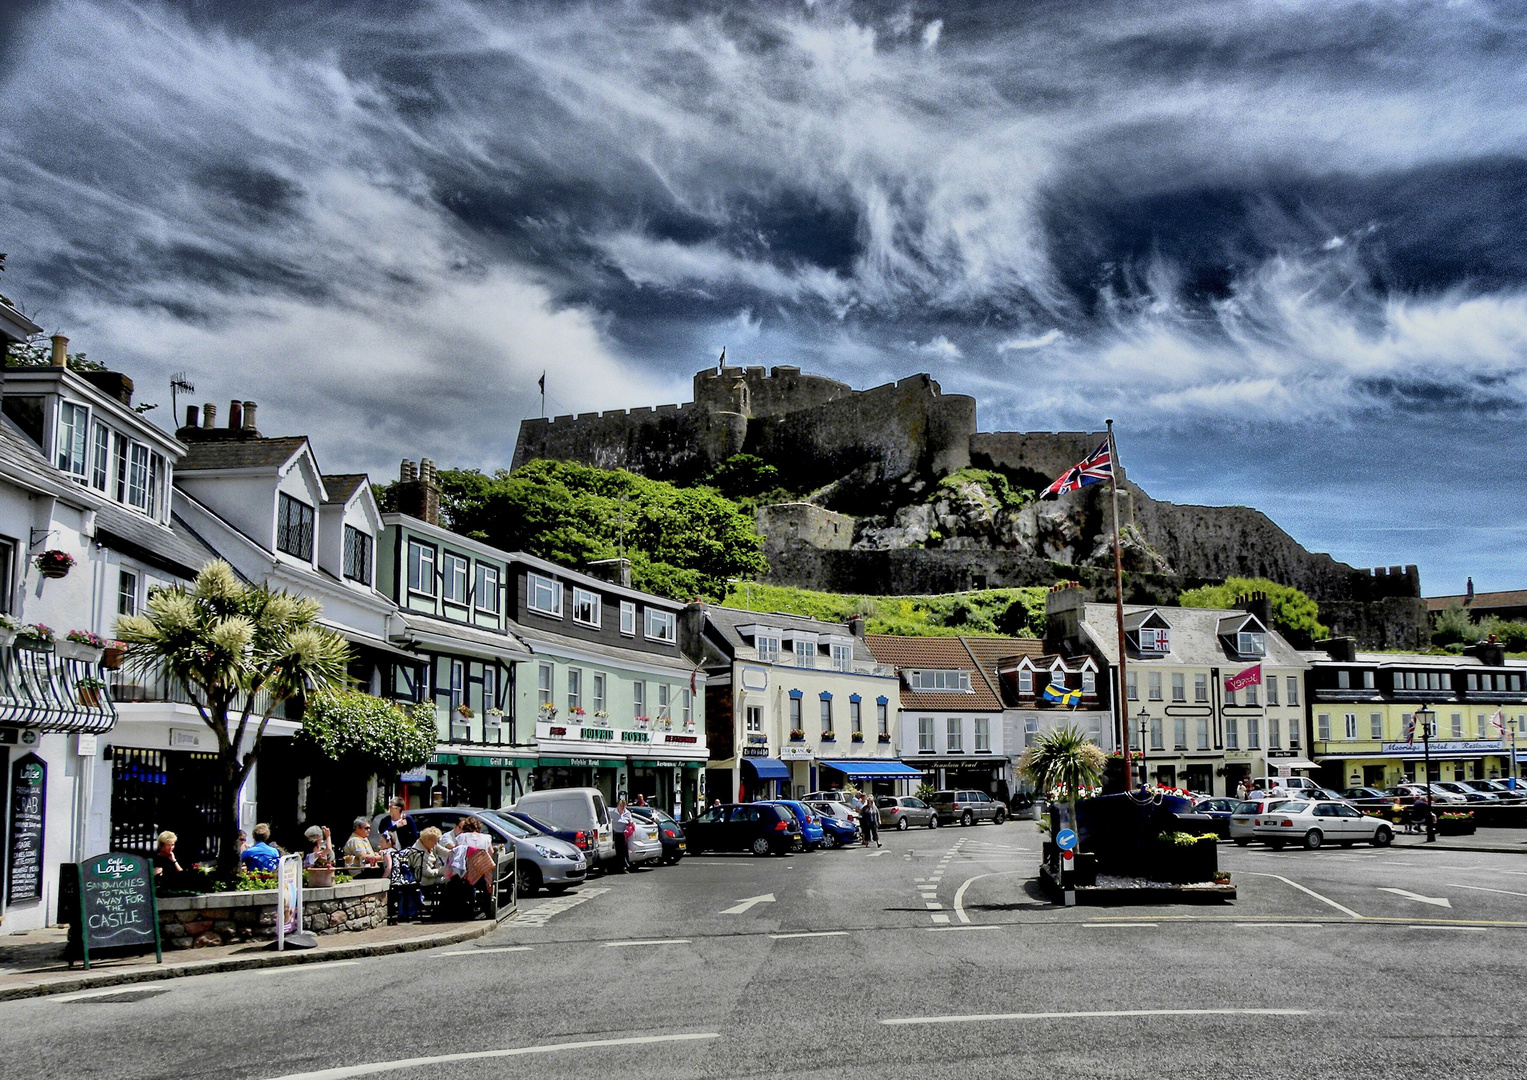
point(670, 442)
point(780, 390)
point(1033, 458)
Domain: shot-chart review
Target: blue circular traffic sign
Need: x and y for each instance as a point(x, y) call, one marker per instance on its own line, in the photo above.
point(1065, 839)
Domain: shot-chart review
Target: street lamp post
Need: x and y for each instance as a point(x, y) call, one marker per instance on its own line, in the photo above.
point(1424, 718)
point(1145, 722)
point(1512, 773)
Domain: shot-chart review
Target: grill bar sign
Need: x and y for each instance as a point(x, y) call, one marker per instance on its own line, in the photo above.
point(117, 906)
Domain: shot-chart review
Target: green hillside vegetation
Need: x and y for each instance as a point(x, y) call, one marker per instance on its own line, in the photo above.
point(1294, 613)
point(1455, 628)
point(996, 486)
point(1012, 612)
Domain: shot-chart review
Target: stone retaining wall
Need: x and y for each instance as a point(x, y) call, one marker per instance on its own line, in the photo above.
point(227, 918)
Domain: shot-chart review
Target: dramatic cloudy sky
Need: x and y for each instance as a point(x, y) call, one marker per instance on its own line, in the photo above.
point(1281, 242)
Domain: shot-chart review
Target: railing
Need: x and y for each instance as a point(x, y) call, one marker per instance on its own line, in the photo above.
point(40, 689)
point(158, 686)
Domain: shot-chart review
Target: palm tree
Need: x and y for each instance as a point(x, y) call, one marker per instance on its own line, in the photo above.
point(239, 652)
point(1065, 758)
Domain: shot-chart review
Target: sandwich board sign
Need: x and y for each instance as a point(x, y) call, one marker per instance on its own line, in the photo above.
point(117, 906)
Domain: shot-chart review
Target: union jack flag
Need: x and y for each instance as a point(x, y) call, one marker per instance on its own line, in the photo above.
point(1092, 470)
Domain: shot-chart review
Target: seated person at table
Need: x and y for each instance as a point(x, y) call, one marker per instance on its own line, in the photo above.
point(261, 856)
point(427, 859)
point(167, 871)
point(361, 859)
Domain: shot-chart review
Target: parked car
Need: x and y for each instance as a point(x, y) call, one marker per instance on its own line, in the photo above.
point(968, 807)
point(903, 811)
point(762, 828)
point(1502, 788)
point(575, 808)
point(1315, 823)
point(1218, 811)
point(1460, 787)
point(836, 832)
point(811, 826)
point(643, 845)
point(540, 861)
point(579, 838)
point(1268, 783)
point(1409, 793)
point(1244, 818)
point(839, 810)
point(669, 832)
point(1367, 798)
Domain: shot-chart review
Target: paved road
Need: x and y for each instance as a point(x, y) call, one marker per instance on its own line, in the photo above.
point(931, 957)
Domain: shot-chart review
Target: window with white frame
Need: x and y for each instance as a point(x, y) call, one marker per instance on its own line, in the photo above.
point(796, 723)
point(100, 456)
point(588, 607)
point(882, 718)
point(983, 734)
point(1293, 734)
point(489, 691)
point(663, 691)
point(294, 518)
point(1272, 690)
point(421, 568)
point(543, 684)
point(1323, 727)
point(1480, 731)
point(753, 719)
point(767, 644)
point(1293, 689)
point(1203, 733)
point(1253, 733)
point(1252, 695)
point(1156, 734)
point(639, 698)
point(1179, 733)
point(953, 680)
point(1250, 643)
point(842, 657)
point(1457, 719)
point(628, 618)
point(1274, 733)
point(855, 718)
point(1376, 727)
point(1229, 697)
point(661, 626)
point(1030, 730)
point(1232, 733)
point(954, 735)
point(1154, 640)
point(543, 595)
point(598, 701)
point(127, 592)
point(137, 494)
point(1350, 720)
point(453, 577)
point(826, 711)
point(924, 734)
point(1132, 685)
point(1179, 686)
point(574, 688)
point(1200, 687)
point(356, 557)
point(1025, 681)
point(1089, 682)
point(458, 683)
point(73, 434)
point(485, 595)
point(805, 649)
point(1367, 680)
point(1153, 681)
point(687, 700)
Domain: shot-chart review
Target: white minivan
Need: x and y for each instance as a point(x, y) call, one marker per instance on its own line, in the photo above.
point(574, 808)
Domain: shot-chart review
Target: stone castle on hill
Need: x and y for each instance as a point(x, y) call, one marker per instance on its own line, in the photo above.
point(876, 519)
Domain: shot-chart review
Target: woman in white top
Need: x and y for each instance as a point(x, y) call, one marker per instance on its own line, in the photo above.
point(469, 838)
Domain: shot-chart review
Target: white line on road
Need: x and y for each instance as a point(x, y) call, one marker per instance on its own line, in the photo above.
point(959, 895)
point(1111, 925)
point(742, 906)
point(647, 941)
point(944, 929)
point(1470, 929)
point(1091, 1015)
point(1296, 925)
point(1311, 892)
point(1435, 901)
point(484, 949)
point(941, 919)
point(933, 905)
point(111, 991)
point(810, 933)
point(345, 1072)
point(1481, 888)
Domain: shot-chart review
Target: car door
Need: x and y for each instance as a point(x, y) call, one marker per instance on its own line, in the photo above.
point(916, 810)
point(742, 827)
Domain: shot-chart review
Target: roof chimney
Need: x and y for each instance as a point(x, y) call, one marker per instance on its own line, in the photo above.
point(208, 415)
point(407, 472)
point(418, 494)
point(60, 351)
point(615, 571)
point(235, 415)
point(193, 416)
point(856, 626)
point(249, 418)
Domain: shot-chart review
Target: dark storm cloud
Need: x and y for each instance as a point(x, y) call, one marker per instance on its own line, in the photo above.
point(1267, 221)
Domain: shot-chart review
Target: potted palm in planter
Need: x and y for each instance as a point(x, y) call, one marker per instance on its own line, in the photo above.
point(1064, 761)
point(83, 646)
point(54, 563)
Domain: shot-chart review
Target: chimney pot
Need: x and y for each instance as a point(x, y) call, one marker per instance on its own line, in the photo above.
point(208, 415)
point(193, 416)
point(407, 472)
point(60, 351)
point(235, 415)
point(249, 416)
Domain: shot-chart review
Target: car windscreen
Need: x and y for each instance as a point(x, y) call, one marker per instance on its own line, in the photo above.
point(534, 822)
point(1290, 807)
point(509, 825)
point(1246, 808)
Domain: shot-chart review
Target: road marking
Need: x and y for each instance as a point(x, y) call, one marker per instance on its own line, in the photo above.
point(1481, 888)
point(648, 941)
point(345, 1072)
point(1440, 926)
point(941, 919)
point(543, 913)
point(959, 894)
point(873, 854)
point(943, 929)
point(1435, 901)
point(744, 905)
point(1311, 892)
point(110, 991)
point(810, 933)
point(1299, 925)
point(311, 966)
point(1111, 925)
point(933, 905)
point(484, 949)
point(1090, 1015)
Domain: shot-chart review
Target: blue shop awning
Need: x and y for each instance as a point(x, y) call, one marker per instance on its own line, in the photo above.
point(766, 768)
point(873, 770)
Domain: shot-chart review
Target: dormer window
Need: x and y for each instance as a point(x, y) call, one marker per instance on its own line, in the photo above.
point(453, 577)
point(588, 608)
point(1250, 643)
point(661, 626)
point(73, 430)
point(766, 642)
point(294, 519)
point(487, 588)
point(544, 595)
point(357, 555)
point(1025, 681)
point(1155, 639)
point(1089, 682)
point(954, 680)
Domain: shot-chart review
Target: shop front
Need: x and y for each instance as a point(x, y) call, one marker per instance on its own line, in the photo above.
point(467, 779)
point(879, 777)
point(764, 778)
point(800, 763)
point(989, 774)
point(1398, 762)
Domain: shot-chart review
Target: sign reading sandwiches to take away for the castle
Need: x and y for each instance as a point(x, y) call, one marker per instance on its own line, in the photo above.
point(117, 906)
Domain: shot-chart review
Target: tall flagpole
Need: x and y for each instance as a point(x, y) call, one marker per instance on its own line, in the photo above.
point(1118, 593)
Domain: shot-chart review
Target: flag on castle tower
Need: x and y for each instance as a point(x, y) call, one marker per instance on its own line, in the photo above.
point(722, 362)
point(1091, 470)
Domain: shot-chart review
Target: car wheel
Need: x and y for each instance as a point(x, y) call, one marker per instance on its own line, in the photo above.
point(1000, 818)
point(967, 819)
point(933, 821)
point(798, 846)
point(529, 876)
point(1241, 841)
point(761, 846)
point(902, 824)
point(1383, 836)
point(1313, 839)
point(829, 841)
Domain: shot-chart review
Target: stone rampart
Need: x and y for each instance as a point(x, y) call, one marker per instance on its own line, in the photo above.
point(1033, 458)
point(669, 442)
point(783, 389)
point(786, 524)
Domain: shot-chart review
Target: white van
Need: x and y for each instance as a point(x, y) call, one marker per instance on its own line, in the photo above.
point(574, 808)
point(1291, 783)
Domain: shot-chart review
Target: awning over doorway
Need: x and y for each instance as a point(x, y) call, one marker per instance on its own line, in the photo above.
point(766, 768)
point(1291, 763)
point(872, 770)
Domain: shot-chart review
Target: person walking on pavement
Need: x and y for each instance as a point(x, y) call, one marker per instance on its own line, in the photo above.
point(869, 818)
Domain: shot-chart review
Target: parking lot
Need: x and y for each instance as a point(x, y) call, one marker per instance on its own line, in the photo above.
point(932, 956)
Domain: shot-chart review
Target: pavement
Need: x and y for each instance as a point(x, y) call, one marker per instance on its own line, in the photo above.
point(934, 956)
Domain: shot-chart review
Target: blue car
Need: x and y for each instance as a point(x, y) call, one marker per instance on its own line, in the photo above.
point(576, 837)
point(836, 833)
point(811, 825)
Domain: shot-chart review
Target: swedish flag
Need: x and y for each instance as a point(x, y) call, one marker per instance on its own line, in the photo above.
point(1061, 696)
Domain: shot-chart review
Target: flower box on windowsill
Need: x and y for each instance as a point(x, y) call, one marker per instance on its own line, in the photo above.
point(829, 736)
point(797, 735)
point(885, 737)
point(857, 736)
point(73, 650)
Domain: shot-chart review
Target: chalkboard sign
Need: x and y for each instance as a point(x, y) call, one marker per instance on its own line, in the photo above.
point(29, 798)
point(117, 906)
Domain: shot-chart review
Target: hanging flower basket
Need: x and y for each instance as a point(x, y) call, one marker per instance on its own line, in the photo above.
point(54, 563)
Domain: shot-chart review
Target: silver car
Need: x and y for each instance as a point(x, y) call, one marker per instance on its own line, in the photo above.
point(540, 861)
point(901, 812)
point(643, 845)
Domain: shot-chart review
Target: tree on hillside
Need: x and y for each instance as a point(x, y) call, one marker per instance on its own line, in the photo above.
point(1294, 613)
point(240, 652)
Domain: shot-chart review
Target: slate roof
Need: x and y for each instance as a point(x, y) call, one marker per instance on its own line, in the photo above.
point(240, 454)
point(545, 643)
point(1194, 638)
point(976, 655)
point(341, 486)
point(1508, 599)
point(726, 620)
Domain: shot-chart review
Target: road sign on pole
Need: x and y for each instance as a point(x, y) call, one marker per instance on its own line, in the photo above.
point(1066, 840)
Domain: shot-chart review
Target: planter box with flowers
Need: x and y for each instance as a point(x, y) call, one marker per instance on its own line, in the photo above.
point(829, 736)
point(577, 712)
point(857, 736)
point(797, 735)
point(884, 736)
point(35, 637)
point(1455, 824)
point(643, 723)
point(54, 563)
point(83, 646)
point(88, 691)
point(547, 713)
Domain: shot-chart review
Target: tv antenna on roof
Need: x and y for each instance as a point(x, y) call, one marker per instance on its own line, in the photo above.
point(178, 382)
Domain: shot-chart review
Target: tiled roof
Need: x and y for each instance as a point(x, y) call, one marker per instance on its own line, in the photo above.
point(1194, 638)
point(341, 486)
point(978, 656)
point(240, 454)
point(1509, 598)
